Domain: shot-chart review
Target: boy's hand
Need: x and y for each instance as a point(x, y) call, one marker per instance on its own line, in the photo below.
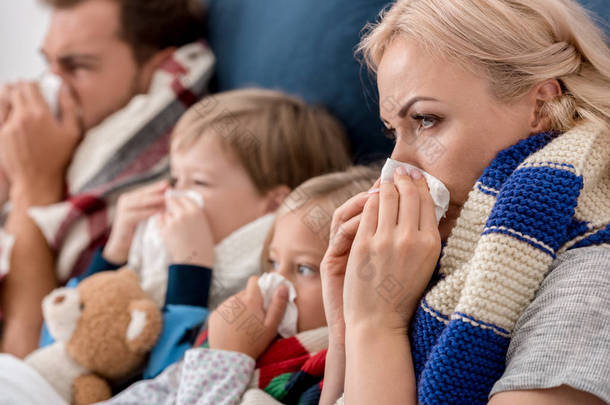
point(186, 232)
point(133, 207)
point(241, 325)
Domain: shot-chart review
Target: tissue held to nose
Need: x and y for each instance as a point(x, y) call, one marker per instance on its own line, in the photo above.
point(438, 191)
point(268, 283)
point(49, 88)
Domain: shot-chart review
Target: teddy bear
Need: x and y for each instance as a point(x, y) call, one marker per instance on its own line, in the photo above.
point(103, 330)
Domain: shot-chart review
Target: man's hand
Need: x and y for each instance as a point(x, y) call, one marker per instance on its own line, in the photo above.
point(35, 146)
point(5, 102)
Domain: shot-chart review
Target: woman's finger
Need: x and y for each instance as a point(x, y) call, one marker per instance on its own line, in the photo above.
point(348, 210)
point(408, 212)
point(388, 207)
point(342, 241)
point(427, 212)
point(370, 215)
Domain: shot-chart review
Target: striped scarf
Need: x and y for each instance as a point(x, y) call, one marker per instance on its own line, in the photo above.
point(537, 199)
point(291, 370)
point(129, 148)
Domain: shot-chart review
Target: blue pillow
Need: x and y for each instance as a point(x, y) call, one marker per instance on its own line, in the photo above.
point(305, 48)
point(600, 10)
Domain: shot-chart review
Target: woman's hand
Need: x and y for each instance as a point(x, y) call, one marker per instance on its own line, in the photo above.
point(332, 271)
point(393, 254)
point(241, 325)
point(132, 208)
point(186, 232)
point(343, 229)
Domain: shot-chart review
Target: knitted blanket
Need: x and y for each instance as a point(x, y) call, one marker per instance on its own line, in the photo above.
point(291, 370)
point(129, 148)
point(544, 195)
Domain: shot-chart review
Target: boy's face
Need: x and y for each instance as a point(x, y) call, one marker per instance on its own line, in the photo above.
point(296, 253)
point(230, 198)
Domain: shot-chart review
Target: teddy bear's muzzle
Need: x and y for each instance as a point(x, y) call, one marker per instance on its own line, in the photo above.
point(62, 310)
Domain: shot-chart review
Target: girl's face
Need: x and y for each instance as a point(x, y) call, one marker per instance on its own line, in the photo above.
point(296, 252)
point(444, 118)
point(230, 197)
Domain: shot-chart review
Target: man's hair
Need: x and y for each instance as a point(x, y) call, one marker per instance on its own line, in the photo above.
point(151, 25)
point(278, 139)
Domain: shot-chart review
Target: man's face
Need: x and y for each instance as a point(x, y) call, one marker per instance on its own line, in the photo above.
point(83, 46)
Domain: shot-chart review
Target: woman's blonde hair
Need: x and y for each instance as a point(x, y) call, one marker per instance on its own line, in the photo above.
point(518, 43)
point(278, 139)
point(317, 199)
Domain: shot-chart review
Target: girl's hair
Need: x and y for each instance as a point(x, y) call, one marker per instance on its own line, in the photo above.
point(317, 199)
point(517, 43)
point(278, 139)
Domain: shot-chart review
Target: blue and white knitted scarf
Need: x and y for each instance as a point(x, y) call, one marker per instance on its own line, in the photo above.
point(537, 199)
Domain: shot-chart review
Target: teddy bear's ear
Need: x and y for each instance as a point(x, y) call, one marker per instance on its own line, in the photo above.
point(144, 327)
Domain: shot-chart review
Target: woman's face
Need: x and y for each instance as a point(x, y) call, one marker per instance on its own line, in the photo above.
point(444, 118)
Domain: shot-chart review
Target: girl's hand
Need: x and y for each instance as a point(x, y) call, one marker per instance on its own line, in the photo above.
point(186, 232)
point(393, 255)
point(241, 325)
point(132, 208)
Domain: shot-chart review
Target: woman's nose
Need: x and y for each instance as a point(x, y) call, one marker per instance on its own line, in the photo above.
point(405, 152)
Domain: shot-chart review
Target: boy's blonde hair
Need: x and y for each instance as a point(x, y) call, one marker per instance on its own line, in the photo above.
point(318, 198)
point(516, 43)
point(278, 139)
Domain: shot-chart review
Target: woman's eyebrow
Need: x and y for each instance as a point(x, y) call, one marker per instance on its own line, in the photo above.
point(407, 106)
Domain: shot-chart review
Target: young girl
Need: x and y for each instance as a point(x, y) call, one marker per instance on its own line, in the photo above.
point(237, 357)
point(234, 158)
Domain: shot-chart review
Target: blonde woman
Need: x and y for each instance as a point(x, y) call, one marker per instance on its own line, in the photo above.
point(508, 103)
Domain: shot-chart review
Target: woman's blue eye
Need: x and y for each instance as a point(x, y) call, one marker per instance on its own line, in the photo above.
point(306, 270)
point(425, 121)
point(273, 264)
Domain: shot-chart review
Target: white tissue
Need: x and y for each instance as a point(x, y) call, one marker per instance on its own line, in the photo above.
point(268, 283)
point(49, 87)
point(438, 191)
point(148, 253)
point(192, 194)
